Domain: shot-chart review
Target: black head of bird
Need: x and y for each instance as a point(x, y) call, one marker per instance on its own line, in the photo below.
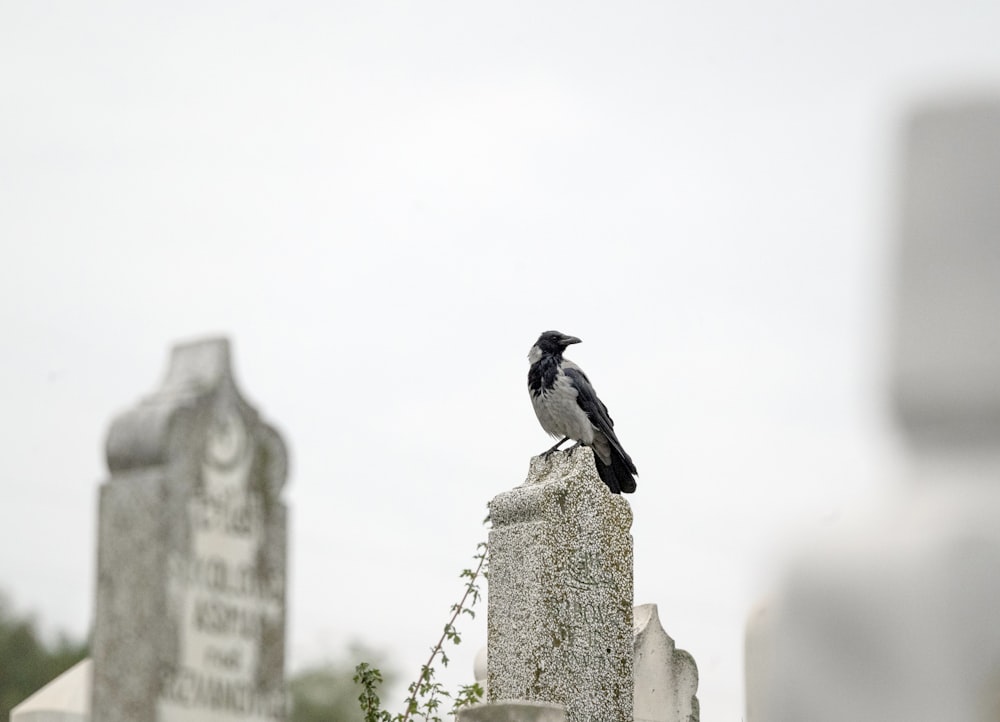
point(554, 342)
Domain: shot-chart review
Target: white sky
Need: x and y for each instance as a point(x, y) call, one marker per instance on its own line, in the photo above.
point(383, 204)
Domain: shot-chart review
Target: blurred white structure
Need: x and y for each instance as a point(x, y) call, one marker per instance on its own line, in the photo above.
point(64, 699)
point(666, 678)
point(902, 621)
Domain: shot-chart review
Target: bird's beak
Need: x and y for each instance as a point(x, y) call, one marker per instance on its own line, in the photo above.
point(569, 340)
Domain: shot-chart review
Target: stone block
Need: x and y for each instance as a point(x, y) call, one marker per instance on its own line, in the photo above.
point(560, 592)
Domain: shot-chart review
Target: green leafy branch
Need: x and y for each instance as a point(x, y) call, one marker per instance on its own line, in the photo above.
point(425, 694)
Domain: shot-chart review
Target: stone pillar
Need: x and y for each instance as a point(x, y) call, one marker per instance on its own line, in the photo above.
point(190, 612)
point(560, 592)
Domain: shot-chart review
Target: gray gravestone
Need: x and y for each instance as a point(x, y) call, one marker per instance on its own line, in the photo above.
point(190, 614)
point(560, 592)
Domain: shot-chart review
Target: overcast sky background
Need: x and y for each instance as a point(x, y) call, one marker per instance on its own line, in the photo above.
point(383, 204)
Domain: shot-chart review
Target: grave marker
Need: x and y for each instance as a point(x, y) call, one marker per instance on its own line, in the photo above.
point(560, 594)
point(190, 615)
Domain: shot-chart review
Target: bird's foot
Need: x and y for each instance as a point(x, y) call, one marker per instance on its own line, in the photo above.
point(547, 454)
point(574, 447)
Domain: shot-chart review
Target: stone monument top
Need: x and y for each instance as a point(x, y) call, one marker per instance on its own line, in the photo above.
point(198, 372)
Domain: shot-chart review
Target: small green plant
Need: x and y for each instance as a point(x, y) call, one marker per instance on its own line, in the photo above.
point(425, 695)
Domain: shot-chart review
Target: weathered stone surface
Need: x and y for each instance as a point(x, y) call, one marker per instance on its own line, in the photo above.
point(513, 712)
point(560, 592)
point(666, 678)
point(190, 614)
point(64, 699)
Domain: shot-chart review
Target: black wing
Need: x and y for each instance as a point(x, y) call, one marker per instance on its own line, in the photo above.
point(596, 411)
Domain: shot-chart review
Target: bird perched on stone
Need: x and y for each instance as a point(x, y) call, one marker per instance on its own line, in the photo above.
point(567, 407)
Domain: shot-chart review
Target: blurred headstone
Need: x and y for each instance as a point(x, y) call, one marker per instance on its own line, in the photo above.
point(760, 677)
point(560, 594)
point(946, 356)
point(901, 621)
point(666, 678)
point(190, 613)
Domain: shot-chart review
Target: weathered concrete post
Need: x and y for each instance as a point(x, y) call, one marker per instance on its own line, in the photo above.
point(190, 617)
point(560, 592)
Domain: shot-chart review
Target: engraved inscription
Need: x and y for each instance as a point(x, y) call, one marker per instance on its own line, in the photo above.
point(584, 612)
point(585, 572)
point(192, 693)
point(223, 598)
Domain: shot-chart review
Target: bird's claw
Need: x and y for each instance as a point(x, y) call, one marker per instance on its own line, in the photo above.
point(547, 454)
point(554, 449)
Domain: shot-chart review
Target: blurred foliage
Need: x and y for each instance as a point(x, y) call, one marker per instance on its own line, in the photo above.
point(28, 662)
point(328, 692)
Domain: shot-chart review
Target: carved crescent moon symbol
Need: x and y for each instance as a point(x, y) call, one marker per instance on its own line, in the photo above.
point(227, 440)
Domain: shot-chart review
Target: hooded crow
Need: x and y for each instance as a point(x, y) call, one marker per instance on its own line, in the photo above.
point(567, 407)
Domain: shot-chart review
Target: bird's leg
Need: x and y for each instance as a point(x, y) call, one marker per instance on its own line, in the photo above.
point(573, 447)
point(562, 441)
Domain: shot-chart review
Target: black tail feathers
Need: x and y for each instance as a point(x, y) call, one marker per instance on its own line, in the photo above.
point(619, 476)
